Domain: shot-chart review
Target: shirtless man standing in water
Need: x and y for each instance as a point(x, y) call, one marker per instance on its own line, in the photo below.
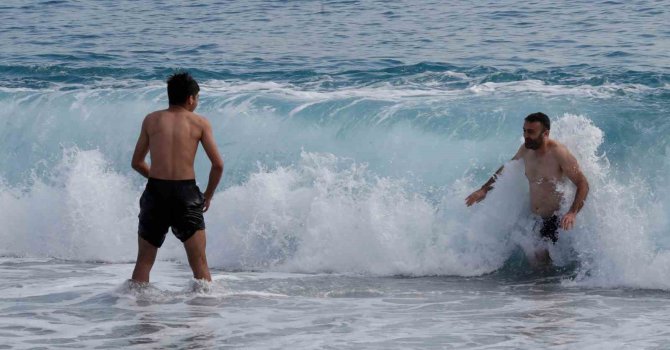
point(546, 162)
point(171, 197)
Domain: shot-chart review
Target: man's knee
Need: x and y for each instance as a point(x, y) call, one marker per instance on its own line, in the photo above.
point(146, 253)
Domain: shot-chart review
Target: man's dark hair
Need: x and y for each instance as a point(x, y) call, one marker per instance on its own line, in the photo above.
point(180, 86)
point(539, 117)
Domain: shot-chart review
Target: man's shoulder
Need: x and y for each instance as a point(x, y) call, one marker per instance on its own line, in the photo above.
point(559, 149)
point(154, 115)
point(556, 146)
point(521, 152)
point(198, 119)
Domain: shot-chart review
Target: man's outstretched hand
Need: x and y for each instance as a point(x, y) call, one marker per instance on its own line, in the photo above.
point(475, 197)
point(205, 206)
point(568, 221)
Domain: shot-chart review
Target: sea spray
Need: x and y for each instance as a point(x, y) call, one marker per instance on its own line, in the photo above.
point(365, 180)
point(613, 236)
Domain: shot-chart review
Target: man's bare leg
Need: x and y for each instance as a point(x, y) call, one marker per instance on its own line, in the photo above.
point(542, 258)
point(146, 255)
point(195, 250)
point(537, 257)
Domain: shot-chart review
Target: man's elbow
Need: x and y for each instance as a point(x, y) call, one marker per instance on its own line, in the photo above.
point(217, 166)
point(584, 185)
point(137, 165)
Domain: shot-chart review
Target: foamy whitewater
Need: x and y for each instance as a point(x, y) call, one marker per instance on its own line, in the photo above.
point(351, 133)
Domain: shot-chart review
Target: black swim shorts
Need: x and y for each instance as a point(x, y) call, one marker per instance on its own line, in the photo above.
point(170, 203)
point(550, 228)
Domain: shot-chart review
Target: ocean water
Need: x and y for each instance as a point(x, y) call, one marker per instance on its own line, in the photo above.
point(351, 132)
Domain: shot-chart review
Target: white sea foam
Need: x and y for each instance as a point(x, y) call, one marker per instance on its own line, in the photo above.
point(614, 234)
point(324, 214)
point(84, 211)
point(385, 91)
point(338, 207)
point(327, 214)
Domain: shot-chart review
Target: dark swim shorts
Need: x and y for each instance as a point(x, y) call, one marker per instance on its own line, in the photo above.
point(550, 228)
point(170, 203)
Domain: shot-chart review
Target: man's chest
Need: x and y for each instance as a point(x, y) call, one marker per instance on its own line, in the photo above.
point(542, 168)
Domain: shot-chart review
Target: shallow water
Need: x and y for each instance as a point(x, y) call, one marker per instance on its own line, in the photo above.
point(351, 132)
point(60, 304)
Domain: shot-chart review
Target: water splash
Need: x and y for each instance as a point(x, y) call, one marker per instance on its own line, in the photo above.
point(377, 189)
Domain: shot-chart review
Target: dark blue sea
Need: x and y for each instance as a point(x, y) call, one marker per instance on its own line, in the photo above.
point(351, 132)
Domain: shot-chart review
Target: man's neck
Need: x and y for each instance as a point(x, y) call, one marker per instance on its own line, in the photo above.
point(177, 108)
point(543, 148)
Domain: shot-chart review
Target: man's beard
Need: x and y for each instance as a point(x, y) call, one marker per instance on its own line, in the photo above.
point(533, 144)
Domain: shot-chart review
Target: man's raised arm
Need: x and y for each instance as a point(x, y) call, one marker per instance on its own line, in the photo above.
point(480, 194)
point(209, 144)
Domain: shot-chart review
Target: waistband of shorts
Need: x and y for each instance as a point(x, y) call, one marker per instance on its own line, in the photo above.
point(537, 218)
point(175, 182)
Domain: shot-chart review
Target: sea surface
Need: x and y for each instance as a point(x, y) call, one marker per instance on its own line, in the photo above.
point(351, 132)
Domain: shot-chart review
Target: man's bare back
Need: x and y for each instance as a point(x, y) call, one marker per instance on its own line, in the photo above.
point(172, 199)
point(173, 135)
